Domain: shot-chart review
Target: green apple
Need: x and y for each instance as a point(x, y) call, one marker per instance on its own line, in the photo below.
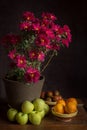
point(27, 107)
point(46, 108)
point(42, 113)
point(35, 118)
point(39, 104)
point(31, 114)
point(21, 118)
point(11, 113)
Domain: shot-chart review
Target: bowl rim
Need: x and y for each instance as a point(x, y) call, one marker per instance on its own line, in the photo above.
point(50, 102)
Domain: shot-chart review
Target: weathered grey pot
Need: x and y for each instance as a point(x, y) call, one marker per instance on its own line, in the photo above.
point(18, 92)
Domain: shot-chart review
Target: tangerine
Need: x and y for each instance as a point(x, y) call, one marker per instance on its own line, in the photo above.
point(59, 108)
point(70, 107)
point(74, 100)
point(61, 101)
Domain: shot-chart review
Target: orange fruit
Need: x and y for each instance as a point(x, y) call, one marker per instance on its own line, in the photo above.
point(59, 108)
point(61, 101)
point(74, 100)
point(70, 107)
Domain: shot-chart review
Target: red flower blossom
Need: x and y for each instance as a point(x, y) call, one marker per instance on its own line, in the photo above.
point(28, 16)
point(36, 27)
point(32, 54)
point(10, 39)
point(67, 32)
point(65, 42)
point(12, 54)
point(32, 75)
point(21, 61)
point(41, 56)
point(42, 40)
point(25, 26)
point(37, 55)
point(49, 16)
point(50, 34)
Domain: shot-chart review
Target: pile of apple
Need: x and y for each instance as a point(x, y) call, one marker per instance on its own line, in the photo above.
point(32, 112)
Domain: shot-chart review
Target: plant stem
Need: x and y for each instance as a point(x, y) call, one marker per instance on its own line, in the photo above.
point(48, 62)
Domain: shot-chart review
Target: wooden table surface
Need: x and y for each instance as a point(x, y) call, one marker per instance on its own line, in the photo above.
point(48, 123)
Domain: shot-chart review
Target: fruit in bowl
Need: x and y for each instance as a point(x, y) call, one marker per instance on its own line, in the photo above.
point(65, 110)
point(64, 117)
point(51, 97)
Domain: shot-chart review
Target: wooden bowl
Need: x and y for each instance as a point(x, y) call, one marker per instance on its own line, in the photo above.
point(64, 117)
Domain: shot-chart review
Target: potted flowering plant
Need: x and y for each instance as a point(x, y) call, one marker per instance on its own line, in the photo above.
point(38, 39)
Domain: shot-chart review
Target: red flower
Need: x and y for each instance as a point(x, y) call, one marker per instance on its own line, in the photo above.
point(28, 16)
point(42, 40)
point(49, 16)
point(50, 34)
point(32, 75)
point(36, 55)
point(36, 27)
point(67, 32)
point(21, 61)
point(12, 54)
point(65, 42)
point(10, 39)
point(25, 26)
point(41, 56)
point(32, 54)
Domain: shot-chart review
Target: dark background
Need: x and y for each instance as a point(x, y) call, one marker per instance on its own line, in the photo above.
point(68, 71)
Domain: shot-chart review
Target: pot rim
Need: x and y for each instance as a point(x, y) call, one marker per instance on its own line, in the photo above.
point(19, 82)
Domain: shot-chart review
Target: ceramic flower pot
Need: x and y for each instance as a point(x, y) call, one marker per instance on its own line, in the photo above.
point(18, 92)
